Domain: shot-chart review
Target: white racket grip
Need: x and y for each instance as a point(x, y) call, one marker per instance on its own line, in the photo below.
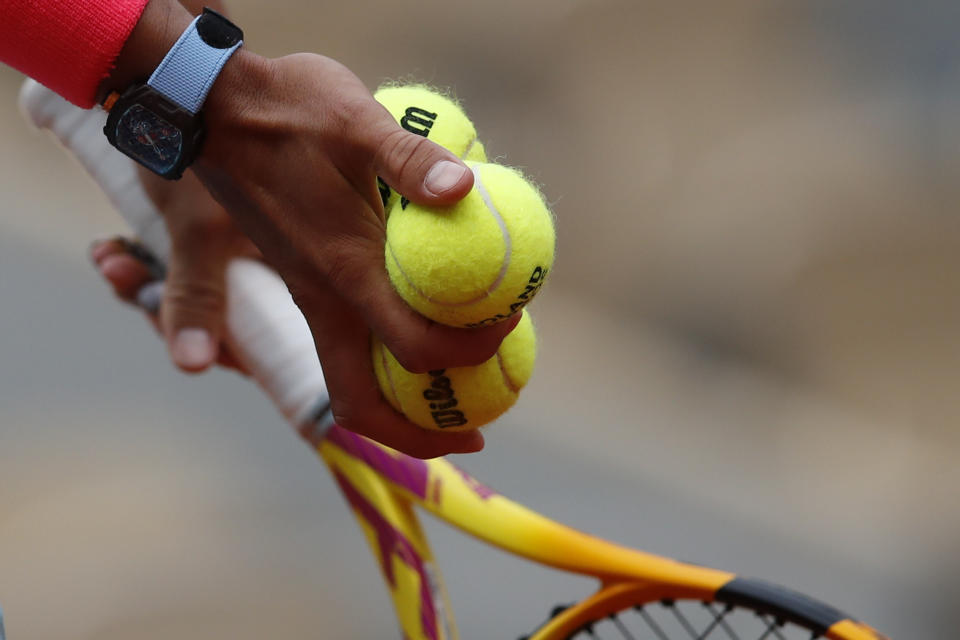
point(266, 330)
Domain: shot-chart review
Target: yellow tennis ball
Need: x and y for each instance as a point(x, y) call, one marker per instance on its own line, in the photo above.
point(427, 112)
point(460, 398)
point(479, 261)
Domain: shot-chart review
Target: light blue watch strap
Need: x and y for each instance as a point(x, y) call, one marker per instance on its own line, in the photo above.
point(189, 69)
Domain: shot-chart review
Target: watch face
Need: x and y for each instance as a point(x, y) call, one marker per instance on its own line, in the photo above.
point(149, 138)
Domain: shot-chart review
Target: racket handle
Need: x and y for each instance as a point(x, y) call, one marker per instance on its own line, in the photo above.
point(265, 330)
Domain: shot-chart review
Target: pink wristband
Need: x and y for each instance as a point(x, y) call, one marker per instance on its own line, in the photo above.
point(69, 46)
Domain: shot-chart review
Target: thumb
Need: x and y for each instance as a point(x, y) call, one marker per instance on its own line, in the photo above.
point(194, 303)
point(420, 169)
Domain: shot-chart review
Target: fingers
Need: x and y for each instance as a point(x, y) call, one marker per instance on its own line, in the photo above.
point(360, 279)
point(126, 273)
point(369, 414)
point(417, 168)
point(191, 314)
point(194, 302)
point(203, 240)
point(343, 343)
point(420, 344)
point(133, 273)
point(423, 172)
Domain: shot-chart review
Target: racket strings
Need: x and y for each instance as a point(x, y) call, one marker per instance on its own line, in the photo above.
point(691, 620)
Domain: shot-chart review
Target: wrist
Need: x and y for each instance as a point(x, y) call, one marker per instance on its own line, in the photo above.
point(160, 123)
point(159, 27)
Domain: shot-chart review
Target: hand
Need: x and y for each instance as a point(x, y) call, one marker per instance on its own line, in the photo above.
point(293, 149)
point(297, 167)
point(188, 306)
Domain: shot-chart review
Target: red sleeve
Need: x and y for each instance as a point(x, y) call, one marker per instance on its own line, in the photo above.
point(68, 45)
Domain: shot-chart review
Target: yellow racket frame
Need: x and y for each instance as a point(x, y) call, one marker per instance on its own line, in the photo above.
point(382, 486)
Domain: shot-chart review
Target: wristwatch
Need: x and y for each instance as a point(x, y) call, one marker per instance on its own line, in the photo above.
point(159, 123)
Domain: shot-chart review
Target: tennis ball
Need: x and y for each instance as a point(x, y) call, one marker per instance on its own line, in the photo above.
point(460, 398)
point(479, 261)
point(425, 111)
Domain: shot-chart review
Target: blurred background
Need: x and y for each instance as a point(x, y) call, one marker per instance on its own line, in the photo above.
point(749, 353)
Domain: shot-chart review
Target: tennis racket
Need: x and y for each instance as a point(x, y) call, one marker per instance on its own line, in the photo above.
point(639, 595)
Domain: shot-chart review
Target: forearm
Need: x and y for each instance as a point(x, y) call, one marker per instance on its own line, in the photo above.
point(160, 24)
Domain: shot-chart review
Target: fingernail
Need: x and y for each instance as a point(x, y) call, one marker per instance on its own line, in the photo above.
point(443, 176)
point(111, 265)
point(149, 296)
point(193, 348)
point(99, 249)
point(514, 320)
point(473, 444)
